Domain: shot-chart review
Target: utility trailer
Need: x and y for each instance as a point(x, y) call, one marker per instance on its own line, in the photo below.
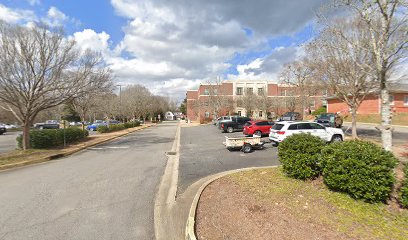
point(245, 144)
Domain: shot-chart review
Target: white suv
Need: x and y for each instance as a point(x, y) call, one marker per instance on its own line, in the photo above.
point(282, 130)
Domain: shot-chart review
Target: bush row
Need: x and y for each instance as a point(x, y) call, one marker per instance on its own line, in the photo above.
point(404, 189)
point(48, 138)
point(117, 127)
point(359, 168)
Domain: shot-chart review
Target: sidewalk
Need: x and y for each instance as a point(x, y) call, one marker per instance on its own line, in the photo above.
point(19, 158)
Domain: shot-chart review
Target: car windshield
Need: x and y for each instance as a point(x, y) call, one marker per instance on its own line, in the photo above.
point(277, 126)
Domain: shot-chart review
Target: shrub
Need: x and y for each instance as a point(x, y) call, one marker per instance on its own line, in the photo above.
point(132, 124)
point(299, 155)
point(319, 111)
point(48, 138)
point(404, 189)
point(359, 168)
point(102, 129)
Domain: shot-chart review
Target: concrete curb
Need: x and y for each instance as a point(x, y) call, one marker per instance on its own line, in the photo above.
point(190, 225)
point(65, 154)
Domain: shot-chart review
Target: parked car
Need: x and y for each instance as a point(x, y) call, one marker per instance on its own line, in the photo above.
point(290, 116)
point(49, 124)
point(258, 127)
point(280, 131)
point(330, 120)
point(10, 126)
point(224, 119)
point(2, 129)
point(113, 122)
point(95, 125)
point(236, 123)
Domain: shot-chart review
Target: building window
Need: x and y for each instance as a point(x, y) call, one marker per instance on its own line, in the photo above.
point(391, 99)
point(406, 100)
point(239, 90)
point(206, 92)
point(260, 114)
point(250, 91)
point(215, 91)
point(260, 91)
point(239, 113)
point(207, 114)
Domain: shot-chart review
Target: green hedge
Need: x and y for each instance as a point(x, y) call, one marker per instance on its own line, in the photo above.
point(48, 138)
point(404, 189)
point(299, 155)
point(359, 168)
point(117, 127)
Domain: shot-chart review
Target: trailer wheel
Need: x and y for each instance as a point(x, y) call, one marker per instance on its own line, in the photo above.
point(247, 148)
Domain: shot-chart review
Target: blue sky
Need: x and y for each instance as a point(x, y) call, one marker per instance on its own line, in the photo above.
point(171, 46)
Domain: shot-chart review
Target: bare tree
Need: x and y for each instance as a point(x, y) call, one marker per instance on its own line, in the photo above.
point(40, 69)
point(101, 85)
point(135, 101)
point(387, 24)
point(249, 101)
point(298, 74)
point(343, 63)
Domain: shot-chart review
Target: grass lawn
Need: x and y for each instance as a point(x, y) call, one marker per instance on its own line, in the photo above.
point(397, 119)
point(18, 156)
point(311, 201)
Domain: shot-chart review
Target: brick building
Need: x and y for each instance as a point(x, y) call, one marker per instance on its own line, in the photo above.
point(199, 101)
point(372, 103)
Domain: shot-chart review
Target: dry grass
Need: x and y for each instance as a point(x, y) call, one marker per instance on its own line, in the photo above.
point(397, 119)
point(312, 201)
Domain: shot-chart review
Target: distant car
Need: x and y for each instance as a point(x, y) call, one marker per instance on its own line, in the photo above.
point(330, 120)
point(258, 127)
point(290, 116)
point(113, 122)
point(49, 124)
point(281, 130)
point(95, 125)
point(10, 126)
point(2, 129)
point(236, 123)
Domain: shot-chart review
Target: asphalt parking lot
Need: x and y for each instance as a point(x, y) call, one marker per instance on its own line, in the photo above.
point(202, 153)
point(8, 141)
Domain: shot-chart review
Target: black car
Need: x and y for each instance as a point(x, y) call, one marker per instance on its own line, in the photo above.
point(236, 123)
point(2, 129)
point(330, 120)
point(290, 116)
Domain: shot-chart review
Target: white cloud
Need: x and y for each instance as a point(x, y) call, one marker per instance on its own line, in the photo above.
point(55, 17)
point(16, 15)
point(34, 2)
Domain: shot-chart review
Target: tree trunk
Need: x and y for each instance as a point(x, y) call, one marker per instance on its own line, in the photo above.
point(354, 123)
point(386, 134)
point(26, 135)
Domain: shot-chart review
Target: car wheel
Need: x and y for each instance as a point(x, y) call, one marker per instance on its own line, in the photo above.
point(258, 133)
point(336, 138)
point(230, 130)
point(247, 148)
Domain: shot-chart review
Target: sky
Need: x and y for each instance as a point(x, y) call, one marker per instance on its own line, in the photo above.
point(173, 46)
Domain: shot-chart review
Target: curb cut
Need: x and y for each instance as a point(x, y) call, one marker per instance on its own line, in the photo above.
point(190, 225)
point(68, 153)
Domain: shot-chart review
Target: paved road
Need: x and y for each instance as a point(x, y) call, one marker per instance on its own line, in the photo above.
point(202, 153)
point(399, 135)
point(102, 193)
point(8, 141)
